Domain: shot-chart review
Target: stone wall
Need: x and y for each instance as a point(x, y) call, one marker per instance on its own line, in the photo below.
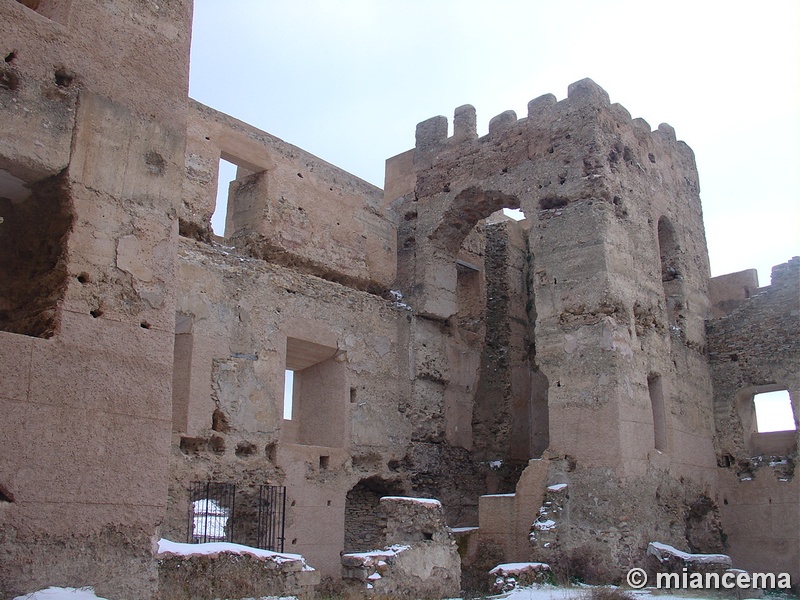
point(233, 573)
point(88, 170)
point(756, 348)
point(436, 346)
point(418, 559)
point(286, 205)
point(598, 322)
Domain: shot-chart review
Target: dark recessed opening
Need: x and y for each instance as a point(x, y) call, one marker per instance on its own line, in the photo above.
point(145, 325)
point(97, 312)
point(9, 80)
point(84, 278)
point(64, 78)
point(324, 461)
point(552, 202)
point(10, 57)
point(5, 494)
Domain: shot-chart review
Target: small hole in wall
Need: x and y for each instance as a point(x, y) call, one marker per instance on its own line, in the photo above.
point(5, 494)
point(558, 384)
point(725, 501)
point(300, 175)
point(84, 278)
point(329, 502)
point(97, 312)
point(352, 395)
point(294, 541)
point(427, 535)
point(64, 78)
point(734, 358)
point(293, 504)
point(10, 57)
point(144, 325)
point(324, 461)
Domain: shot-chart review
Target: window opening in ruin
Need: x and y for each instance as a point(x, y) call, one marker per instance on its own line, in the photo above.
point(181, 372)
point(288, 394)
point(220, 512)
point(659, 414)
point(514, 213)
point(774, 412)
point(226, 175)
point(319, 395)
point(35, 223)
point(671, 274)
point(211, 511)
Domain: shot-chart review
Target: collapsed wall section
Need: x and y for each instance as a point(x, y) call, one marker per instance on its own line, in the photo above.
point(286, 206)
point(756, 348)
point(251, 322)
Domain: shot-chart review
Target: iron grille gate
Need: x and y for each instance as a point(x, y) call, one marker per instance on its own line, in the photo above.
point(271, 517)
point(218, 512)
point(211, 508)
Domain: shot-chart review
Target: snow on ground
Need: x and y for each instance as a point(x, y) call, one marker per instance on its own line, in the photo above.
point(550, 592)
point(87, 593)
point(536, 592)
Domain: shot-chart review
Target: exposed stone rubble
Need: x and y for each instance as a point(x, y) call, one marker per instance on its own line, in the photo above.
point(512, 575)
point(219, 570)
point(420, 559)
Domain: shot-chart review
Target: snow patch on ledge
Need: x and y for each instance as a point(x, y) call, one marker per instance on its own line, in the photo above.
point(58, 593)
point(517, 568)
point(663, 552)
point(557, 487)
point(431, 501)
point(166, 548)
point(544, 525)
point(373, 555)
point(460, 530)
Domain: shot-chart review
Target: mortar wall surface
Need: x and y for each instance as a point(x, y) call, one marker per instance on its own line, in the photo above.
point(436, 346)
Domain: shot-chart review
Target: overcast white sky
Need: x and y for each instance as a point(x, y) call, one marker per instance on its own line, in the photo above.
point(349, 80)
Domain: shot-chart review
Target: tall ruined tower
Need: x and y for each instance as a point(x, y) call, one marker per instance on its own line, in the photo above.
point(594, 346)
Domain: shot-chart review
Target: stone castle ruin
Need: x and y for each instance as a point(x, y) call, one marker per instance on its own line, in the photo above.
point(569, 387)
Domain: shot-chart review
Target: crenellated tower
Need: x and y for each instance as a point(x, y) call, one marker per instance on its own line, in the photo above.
point(605, 307)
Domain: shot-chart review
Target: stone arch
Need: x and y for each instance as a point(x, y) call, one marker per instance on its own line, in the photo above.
point(363, 519)
point(439, 257)
point(467, 208)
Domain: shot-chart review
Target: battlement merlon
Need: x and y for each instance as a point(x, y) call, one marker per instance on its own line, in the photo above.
point(432, 134)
